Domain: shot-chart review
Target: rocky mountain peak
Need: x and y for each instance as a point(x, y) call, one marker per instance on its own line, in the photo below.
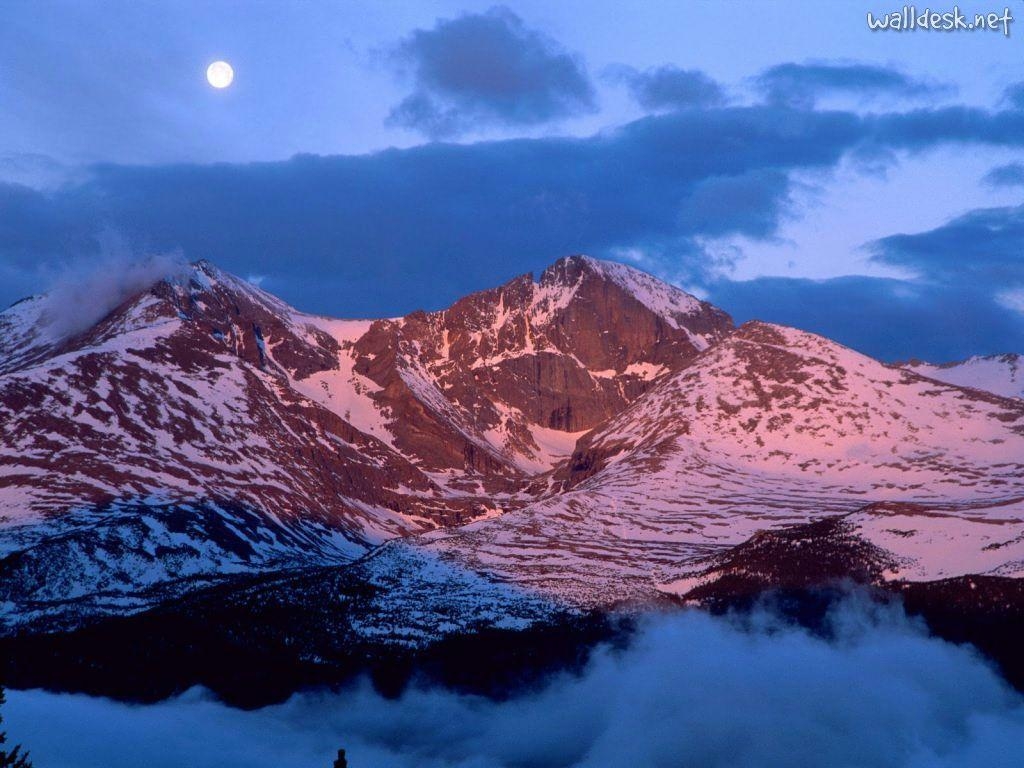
point(568, 270)
point(586, 276)
point(517, 362)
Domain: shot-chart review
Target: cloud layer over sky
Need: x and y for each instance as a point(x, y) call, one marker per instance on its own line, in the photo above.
point(690, 690)
point(556, 141)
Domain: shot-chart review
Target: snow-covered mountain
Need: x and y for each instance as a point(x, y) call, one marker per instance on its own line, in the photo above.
point(592, 439)
point(1000, 374)
point(206, 401)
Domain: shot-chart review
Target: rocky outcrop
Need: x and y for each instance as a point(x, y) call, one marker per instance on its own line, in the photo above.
point(561, 354)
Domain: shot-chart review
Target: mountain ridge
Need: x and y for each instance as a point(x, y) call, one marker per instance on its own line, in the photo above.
point(1001, 374)
point(586, 440)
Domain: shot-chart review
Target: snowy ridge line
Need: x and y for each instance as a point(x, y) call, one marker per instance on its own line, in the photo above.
point(1000, 374)
point(570, 443)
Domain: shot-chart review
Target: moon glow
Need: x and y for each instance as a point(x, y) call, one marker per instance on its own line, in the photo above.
point(220, 74)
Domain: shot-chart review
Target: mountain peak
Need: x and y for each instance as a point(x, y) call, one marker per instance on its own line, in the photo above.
point(568, 270)
point(675, 306)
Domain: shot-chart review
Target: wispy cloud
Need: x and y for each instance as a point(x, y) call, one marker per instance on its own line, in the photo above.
point(1009, 175)
point(802, 85)
point(82, 293)
point(670, 87)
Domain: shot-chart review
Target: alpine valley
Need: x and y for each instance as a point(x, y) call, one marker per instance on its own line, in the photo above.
point(209, 486)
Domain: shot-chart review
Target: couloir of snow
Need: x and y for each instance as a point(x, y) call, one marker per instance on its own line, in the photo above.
point(1000, 374)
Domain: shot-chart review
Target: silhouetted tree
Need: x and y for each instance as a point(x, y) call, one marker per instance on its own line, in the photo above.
point(13, 758)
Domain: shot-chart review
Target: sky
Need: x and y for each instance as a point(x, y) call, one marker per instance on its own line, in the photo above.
point(777, 158)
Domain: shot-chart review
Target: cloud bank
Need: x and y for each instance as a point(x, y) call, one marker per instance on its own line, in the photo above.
point(385, 233)
point(691, 690)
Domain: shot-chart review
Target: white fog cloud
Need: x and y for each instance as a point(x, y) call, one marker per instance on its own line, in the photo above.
point(83, 293)
point(692, 690)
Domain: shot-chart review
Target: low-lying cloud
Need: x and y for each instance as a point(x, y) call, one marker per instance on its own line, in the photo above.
point(691, 690)
point(83, 293)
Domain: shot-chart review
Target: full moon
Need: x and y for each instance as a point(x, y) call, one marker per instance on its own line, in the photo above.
point(220, 74)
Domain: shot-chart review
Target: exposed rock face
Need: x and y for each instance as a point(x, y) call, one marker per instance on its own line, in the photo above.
point(508, 366)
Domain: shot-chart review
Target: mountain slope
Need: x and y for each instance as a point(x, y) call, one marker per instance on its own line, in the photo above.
point(772, 427)
point(209, 477)
point(999, 374)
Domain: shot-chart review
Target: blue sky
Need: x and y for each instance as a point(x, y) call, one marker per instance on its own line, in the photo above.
point(373, 158)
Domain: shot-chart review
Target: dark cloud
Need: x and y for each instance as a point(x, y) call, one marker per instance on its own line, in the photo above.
point(983, 249)
point(36, 227)
point(34, 170)
point(690, 690)
point(921, 129)
point(393, 231)
point(1014, 95)
point(389, 232)
point(486, 69)
point(887, 319)
point(956, 306)
point(1009, 175)
point(803, 84)
point(669, 87)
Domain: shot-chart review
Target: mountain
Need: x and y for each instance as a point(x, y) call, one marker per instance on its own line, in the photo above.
point(999, 374)
point(769, 428)
point(204, 427)
point(209, 465)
